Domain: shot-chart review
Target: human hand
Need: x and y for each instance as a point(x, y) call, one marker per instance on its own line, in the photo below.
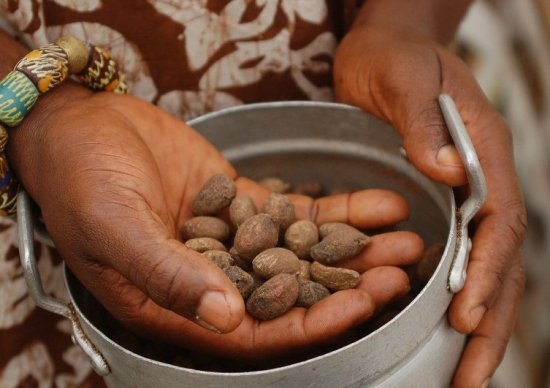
point(398, 77)
point(115, 177)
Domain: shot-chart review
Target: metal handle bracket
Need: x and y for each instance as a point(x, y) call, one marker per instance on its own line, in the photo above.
point(34, 283)
point(478, 190)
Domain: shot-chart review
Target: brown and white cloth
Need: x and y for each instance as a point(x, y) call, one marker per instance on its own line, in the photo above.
point(188, 57)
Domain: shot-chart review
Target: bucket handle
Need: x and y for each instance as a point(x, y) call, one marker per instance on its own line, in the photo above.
point(25, 226)
point(478, 191)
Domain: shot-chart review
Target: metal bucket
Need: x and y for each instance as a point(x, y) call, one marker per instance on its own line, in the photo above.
point(337, 146)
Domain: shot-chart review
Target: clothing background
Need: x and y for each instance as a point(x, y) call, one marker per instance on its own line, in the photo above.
point(194, 56)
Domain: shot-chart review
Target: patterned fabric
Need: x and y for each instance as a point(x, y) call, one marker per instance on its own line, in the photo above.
point(258, 44)
point(36, 347)
point(189, 57)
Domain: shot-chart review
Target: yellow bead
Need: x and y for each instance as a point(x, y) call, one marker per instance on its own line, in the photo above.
point(3, 138)
point(33, 55)
point(50, 62)
point(44, 84)
point(76, 52)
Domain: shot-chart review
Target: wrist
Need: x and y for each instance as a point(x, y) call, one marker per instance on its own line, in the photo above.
point(10, 53)
point(24, 150)
point(37, 73)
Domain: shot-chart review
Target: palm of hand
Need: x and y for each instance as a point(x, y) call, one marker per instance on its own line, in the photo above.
point(122, 179)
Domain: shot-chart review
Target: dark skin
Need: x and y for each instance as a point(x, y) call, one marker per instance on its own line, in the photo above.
point(115, 218)
point(113, 208)
point(394, 63)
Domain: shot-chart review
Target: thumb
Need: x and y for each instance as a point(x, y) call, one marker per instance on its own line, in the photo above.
point(401, 86)
point(427, 141)
point(141, 248)
point(412, 107)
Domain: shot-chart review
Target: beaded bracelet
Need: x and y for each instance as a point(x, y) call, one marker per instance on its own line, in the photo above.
point(38, 72)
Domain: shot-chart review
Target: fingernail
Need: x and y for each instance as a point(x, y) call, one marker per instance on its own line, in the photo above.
point(475, 316)
point(448, 156)
point(214, 311)
point(202, 323)
point(485, 383)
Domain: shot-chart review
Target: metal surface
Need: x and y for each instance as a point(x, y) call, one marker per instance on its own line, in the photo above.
point(25, 224)
point(336, 146)
point(478, 188)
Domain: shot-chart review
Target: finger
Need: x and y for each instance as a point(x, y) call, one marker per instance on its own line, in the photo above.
point(297, 329)
point(495, 248)
point(324, 322)
point(427, 142)
point(501, 225)
point(332, 317)
point(118, 295)
point(384, 285)
point(487, 343)
point(321, 323)
point(408, 100)
point(253, 189)
point(136, 244)
point(387, 249)
point(368, 209)
point(365, 209)
point(138, 312)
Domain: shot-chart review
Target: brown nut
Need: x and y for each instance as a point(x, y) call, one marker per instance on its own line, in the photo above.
point(273, 298)
point(279, 207)
point(331, 227)
point(338, 246)
point(221, 258)
point(204, 226)
point(303, 272)
point(258, 281)
point(275, 185)
point(239, 261)
point(214, 196)
point(274, 261)
point(255, 235)
point(334, 278)
point(426, 267)
point(300, 237)
point(203, 244)
point(241, 209)
point(310, 293)
point(241, 279)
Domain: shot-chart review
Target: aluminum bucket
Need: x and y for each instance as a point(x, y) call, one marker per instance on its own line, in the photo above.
point(335, 145)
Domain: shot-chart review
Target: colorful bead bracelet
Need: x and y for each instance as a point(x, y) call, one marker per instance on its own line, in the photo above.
point(38, 72)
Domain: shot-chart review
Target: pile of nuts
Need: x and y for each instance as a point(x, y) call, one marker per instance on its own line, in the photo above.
point(274, 261)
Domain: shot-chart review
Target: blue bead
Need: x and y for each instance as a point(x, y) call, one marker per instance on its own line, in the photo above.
point(17, 96)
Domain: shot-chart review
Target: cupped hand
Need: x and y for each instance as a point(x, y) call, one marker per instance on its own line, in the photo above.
point(115, 177)
point(398, 78)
